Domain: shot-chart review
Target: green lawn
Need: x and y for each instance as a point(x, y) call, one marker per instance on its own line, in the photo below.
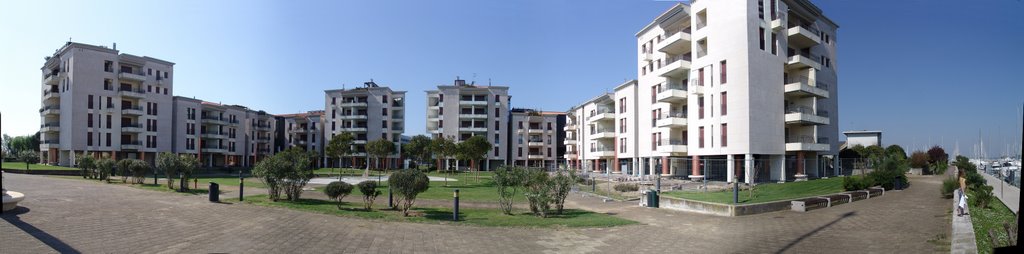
point(604, 189)
point(343, 171)
point(768, 192)
point(469, 216)
point(229, 181)
point(989, 218)
point(21, 165)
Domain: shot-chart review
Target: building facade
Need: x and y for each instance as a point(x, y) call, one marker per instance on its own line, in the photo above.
point(462, 110)
point(221, 135)
point(99, 101)
point(725, 90)
point(304, 131)
point(537, 138)
point(368, 113)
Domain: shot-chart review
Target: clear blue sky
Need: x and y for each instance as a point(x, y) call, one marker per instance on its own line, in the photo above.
point(924, 72)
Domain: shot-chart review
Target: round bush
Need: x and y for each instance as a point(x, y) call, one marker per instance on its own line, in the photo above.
point(626, 187)
point(337, 190)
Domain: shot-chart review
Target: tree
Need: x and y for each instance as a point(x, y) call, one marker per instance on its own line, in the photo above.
point(370, 192)
point(379, 149)
point(408, 183)
point(28, 157)
point(270, 171)
point(105, 166)
point(169, 164)
point(919, 159)
point(188, 165)
point(508, 181)
point(442, 148)
point(124, 167)
point(418, 148)
point(937, 154)
point(137, 168)
point(897, 151)
point(87, 164)
point(561, 185)
point(538, 191)
point(339, 146)
point(297, 172)
point(475, 148)
point(337, 191)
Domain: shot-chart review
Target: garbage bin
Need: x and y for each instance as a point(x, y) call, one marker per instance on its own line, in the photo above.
point(214, 192)
point(652, 198)
point(897, 184)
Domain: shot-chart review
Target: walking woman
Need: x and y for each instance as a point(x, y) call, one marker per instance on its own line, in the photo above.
point(962, 204)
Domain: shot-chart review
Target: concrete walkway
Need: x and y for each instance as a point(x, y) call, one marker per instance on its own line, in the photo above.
point(1007, 193)
point(63, 215)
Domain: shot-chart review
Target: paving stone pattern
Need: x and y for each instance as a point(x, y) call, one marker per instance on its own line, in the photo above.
point(62, 215)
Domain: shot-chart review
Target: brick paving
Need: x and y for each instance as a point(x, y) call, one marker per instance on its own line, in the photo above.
point(79, 216)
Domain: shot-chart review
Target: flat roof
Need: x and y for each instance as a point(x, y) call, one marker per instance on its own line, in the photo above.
point(862, 132)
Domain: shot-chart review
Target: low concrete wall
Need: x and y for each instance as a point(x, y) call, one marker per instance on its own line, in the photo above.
point(44, 172)
point(721, 209)
point(963, 239)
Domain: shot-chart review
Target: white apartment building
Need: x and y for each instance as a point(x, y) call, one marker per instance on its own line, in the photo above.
point(305, 131)
point(100, 101)
point(537, 138)
point(221, 135)
point(463, 110)
point(369, 113)
point(590, 134)
point(726, 86)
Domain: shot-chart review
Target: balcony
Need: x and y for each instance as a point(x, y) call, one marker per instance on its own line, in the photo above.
point(535, 143)
point(672, 146)
point(214, 135)
point(301, 142)
point(354, 129)
point(806, 116)
point(214, 120)
point(131, 110)
point(50, 94)
point(602, 134)
point(571, 155)
point(473, 116)
point(352, 116)
point(359, 141)
point(676, 67)
point(535, 131)
point(672, 120)
point(50, 110)
point(536, 156)
point(802, 61)
point(134, 93)
point(602, 115)
point(800, 86)
point(131, 128)
point(602, 152)
point(262, 140)
point(696, 88)
point(473, 129)
point(677, 42)
point(50, 127)
point(131, 145)
point(803, 36)
point(357, 104)
point(569, 127)
point(807, 143)
point(49, 144)
point(215, 149)
point(473, 102)
point(570, 141)
point(136, 76)
point(778, 21)
point(54, 78)
point(672, 94)
point(261, 127)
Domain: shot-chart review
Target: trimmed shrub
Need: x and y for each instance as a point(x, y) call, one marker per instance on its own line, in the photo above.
point(919, 159)
point(852, 183)
point(370, 192)
point(889, 172)
point(408, 183)
point(337, 191)
point(538, 192)
point(626, 187)
point(88, 165)
point(508, 180)
point(562, 183)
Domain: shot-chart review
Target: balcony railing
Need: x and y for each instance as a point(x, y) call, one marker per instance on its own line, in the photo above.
point(678, 114)
point(671, 142)
point(807, 139)
point(601, 149)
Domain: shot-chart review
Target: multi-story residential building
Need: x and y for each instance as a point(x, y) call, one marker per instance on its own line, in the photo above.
point(100, 101)
point(305, 131)
point(368, 113)
point(221, 135)
point(536, 138)
point(590, 136)
point(708, 99)
point(464, 110)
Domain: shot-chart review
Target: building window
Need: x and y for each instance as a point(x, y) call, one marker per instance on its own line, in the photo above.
point(519, 151)
point(89, 122)
point(497, 126)
point(109, 120)
point(622, 125)
point(722, 75)
point(724, 102)
point(497, 112)
point(700, 107)
point(497, 98)
point(108, 66)
point(700, 77)
point(88, 139)
point(654, 141)
point(725, 135)
point(622, 105)
point(700, 140)
point(622, 145)
point(496, 151)
point(108, 139)
point(760, 9)
point(760, 36)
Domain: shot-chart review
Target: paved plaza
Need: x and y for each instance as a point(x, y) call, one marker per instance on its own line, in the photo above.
point(64, 215)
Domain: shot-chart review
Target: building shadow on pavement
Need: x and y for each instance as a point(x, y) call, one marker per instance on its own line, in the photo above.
point(809, 234)
point(50, 240)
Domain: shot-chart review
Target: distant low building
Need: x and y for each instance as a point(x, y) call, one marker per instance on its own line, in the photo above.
point(864, 138)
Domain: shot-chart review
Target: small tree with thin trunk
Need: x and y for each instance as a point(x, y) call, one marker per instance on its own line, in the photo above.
point(339, 147)
point(87, 164)
point(408, 183)
point(169, 164)
point(28, 157)
point(188, 165)
point(474, 149)
point(380, 148)
point(370, 193)
point(337, 191)
point(418, 148)
point(443, 149)
point(508, 180)
point(104, 166)
point(562, 183)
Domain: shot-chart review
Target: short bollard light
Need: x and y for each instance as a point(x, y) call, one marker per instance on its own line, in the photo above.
point(241, 188)
point(195, 183)
point(455, 213)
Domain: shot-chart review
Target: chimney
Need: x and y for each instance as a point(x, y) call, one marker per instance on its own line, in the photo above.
point(115, 46)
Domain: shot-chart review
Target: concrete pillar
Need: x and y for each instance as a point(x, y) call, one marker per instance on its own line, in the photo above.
point(695, 174)
point(748, 161)
point(730, 169)
point(615, 165)
point(664, 165)
point(800, 175)
point(779, 166)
